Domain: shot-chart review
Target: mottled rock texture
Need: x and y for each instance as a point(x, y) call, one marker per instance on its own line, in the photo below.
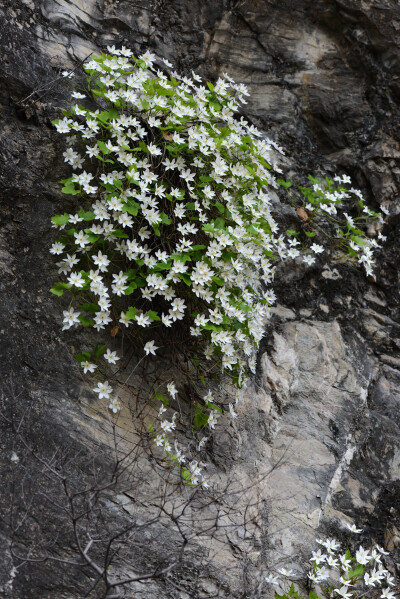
point(324, 77)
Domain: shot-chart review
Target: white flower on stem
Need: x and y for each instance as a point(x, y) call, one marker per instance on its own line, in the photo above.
point(162, 410)
point(343, 592)
point(111, 356)
point(353, 528)
point(271, 579)
point(232, 411)
point(212, 419)
point(159, 440)
point(150, 348)
point(104, 390)
point(387, 594)
point(57, 248)
point(318, 557)
point(285, 572)
point(317, 249)
point(172, 390)
point(362, 556)
point(114, 406)
point(70, 318)
point(331, 545)
point(308, 259)
point(76, 279)
point(88, 366)
point(332, 562)
point(101, 261)
point(390, 580)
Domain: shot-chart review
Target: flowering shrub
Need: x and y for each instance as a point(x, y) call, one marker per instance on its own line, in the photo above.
point(342, 572)
point(173, 222)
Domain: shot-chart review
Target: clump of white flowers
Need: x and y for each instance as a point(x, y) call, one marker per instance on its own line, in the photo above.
point(173, 215)
point(344, 574)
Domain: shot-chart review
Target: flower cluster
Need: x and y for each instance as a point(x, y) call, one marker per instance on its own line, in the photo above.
point(324, 204)
point(174, 218)
point(344, 572)
point(191, 470)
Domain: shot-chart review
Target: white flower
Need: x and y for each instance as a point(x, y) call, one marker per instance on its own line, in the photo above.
point(308, 259)
point(88, 366)
point(70, 318)
point(104, 390)
point(232, 411)
point(353, 528)
point(317, 249)
point(271, 579)
point(212, 419)
point(111, 356)
point(343, 592)
point(286, 572)
point(114, 405)
point(14, 457)
point(57, 248)
point(172, 390)
point(362, 556)
point(318, 557)
point(150, 348)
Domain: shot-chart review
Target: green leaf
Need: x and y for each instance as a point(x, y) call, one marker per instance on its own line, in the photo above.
point(313, 234)
point(200, 417)
point(186, 475)
point(119, 233)
point(185, 278)
point(131, 207)
point(293, 593)
point(165, 219)
point(59, 288)
point(99, 350)
point(89, 307)
point(292, 232)
point(103, 147)
point(153, 315)
point(212, 406)
point(85, 321)
point(161, 398)
point(218, 281)
point(358, 240)
point(220, 207)
point(358, 571)
point(313, 595)
point(131, 313)
point(86, 215)
point(60, 219)
point(131, 288)
point(161, 266)
point(84, 356)
point(285, 184)
point(219, 223)
point(69, 189)
point(210, 86)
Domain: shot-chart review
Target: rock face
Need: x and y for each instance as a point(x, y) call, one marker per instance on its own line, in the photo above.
point(323, 411)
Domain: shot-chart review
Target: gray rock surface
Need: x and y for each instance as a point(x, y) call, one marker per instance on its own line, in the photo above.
point(324, 77)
